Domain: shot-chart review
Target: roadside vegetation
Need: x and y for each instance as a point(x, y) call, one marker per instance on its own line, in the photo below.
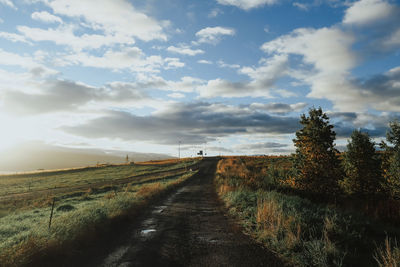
point(83, 211)
point(320, 207)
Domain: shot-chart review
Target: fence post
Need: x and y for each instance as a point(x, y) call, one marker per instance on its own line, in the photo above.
point(51, 214)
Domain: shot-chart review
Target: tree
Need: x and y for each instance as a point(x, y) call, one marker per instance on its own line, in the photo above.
point(361, 165)
point(393, 135)
point(316, 165)
point(391, 159)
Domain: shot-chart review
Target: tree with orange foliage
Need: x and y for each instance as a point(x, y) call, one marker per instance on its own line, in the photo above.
point(316, 166)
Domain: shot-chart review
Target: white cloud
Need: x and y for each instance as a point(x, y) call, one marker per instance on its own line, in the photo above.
point(46, 17)
point(247, 4)
point(377, 22)
point(213, 35)
point(285, 93)
point(176, 95)
point(365, 12)
point(327, 52)
point(13, 37)
point(64, 35)
point(222, 64)
point(185, 50)
point(12, 59)
point(1, 20)
point(301, 6)
point(114, 17)
point(215, 12)
point(203, 61)
point(186, 84)
point(326, 63)
point(35, 69)
point(173, 63)
point(131, 58)
point(8, 3)
point(328, 49)
point(261, 84)
point(270, 69)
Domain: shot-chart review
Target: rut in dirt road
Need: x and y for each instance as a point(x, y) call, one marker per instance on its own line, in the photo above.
point(190, 228)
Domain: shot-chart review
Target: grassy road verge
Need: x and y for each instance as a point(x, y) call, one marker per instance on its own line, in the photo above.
point(301, 231)
point(80, 220)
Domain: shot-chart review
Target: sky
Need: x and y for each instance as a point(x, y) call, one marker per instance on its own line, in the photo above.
point(227, 76)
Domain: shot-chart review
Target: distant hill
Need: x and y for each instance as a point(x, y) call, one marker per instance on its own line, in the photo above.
point(36, 155)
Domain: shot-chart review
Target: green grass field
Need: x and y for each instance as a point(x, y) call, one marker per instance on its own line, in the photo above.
point(22, 183)
point(90, 198)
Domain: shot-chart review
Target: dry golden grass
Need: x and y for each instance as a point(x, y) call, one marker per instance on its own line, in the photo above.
point(252, 171)
point(233, 167)
point(389, 255)
point(224, 188)
point(149, 190)
point(110, 195)
point(271, 221)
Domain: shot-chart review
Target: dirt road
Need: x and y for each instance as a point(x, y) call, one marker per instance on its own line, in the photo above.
point(189, 228)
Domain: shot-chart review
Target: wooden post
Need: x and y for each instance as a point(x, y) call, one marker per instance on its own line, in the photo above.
point(52, 209)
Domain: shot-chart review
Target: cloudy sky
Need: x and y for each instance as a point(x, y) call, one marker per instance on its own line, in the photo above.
point(229, 75)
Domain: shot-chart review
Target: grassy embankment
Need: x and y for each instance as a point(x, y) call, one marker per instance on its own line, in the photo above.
point(301, 230)
point(88, 202)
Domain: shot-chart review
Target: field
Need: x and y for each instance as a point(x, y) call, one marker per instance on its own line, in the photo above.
point(86, 202)
point(303, 229)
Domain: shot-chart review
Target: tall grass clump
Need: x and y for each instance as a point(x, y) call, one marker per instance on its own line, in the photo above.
point(294, 228)
point(388, 255)
point(300, 230)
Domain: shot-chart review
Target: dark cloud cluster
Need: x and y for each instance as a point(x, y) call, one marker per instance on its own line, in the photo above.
point(278, 108)
point(193, 123)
